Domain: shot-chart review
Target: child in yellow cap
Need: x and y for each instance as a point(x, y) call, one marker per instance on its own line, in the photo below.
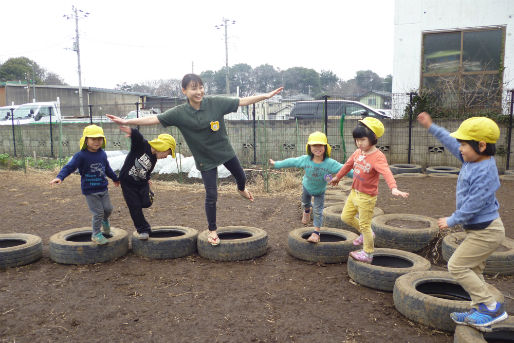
point(474, 144)
point(368, 163)
point(319, 168)
point(136, 172)
point(93, 166)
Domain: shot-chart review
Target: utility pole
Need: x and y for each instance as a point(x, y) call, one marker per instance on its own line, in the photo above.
point(226, 22)
point(76, 48)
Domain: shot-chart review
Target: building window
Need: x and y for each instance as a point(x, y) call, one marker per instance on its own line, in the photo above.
point(464, 67)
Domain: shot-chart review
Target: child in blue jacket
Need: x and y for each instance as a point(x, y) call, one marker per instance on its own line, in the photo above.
point(474, 144)
point(93, 166)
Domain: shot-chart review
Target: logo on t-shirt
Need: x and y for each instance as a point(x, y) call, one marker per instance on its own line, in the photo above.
point(215, 125)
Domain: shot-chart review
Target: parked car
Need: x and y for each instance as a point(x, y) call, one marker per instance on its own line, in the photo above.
point(143, 113)
point(315, 109)
point(35, 112)
point(5, 111)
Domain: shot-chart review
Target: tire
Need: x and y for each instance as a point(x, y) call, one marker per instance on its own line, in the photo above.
point(405, 168)
point(387, 266)
point(74, 246)
point(428, 297)
point(500, 262)
point(236, 243)
point(417, 175)
point(442, 169)
point(18, 249)
point(341, 197)
point(444, 175)
point(509, 172)
point(334, 245)
point(166, 242)
point(332, 217)
point(500, 332)
point(408, 239)
point(507, 177)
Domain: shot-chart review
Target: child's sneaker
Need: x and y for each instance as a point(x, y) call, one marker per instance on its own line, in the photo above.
point(142, 236)
point(106, 227)
point(483, 316)
point(359, 240)
point(306, 217)
point(361, 256)
point(99, 239)
point(459, 317)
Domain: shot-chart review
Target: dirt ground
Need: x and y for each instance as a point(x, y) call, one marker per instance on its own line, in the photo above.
point(275, 298)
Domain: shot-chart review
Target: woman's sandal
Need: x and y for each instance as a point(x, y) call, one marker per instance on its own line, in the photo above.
point(213, 240)
point(246, 194)
point(314, 237)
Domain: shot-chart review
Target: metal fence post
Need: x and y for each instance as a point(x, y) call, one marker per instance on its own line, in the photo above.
point(326, 114)
point(51, 133)
point(509, 131)
point(13, 135)
point(254, 135)
point(91, 114)
point(411, 94)
point(137, 112)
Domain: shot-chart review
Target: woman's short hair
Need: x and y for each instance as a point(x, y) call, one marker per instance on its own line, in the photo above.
point(191, 79)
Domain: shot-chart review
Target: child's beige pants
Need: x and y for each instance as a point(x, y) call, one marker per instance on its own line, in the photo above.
point(468, 261)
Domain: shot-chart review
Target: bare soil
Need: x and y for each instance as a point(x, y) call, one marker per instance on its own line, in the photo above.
point(275, 298)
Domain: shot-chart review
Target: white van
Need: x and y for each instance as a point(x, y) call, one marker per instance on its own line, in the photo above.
point(35, 112)
point(5, 111)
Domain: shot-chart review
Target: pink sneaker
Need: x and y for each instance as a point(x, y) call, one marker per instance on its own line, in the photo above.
point(359, 240)
point(361, 256)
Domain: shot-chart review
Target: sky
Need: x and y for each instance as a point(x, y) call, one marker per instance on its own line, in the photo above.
point(136, 41)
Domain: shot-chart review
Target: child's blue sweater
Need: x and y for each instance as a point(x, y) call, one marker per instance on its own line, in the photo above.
point(314, 178)
point(93, 167)
point(476, 185)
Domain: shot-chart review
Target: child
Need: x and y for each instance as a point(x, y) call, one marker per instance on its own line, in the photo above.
point(477, 210)
point(136, 171)
point(318, 168)
point(201, 122)
point(368, 163)
point(91, 161)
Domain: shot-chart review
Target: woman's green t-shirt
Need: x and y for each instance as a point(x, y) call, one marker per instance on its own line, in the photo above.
point(204, 130)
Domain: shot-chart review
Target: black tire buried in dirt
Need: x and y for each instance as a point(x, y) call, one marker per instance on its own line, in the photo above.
point(405, 168)
point(334, 245)
point(442, 169)
point(500, 262)
point(429, 297)
point(166, 242)
point(403, 238)
point(500, 332)
point(237, 243)
point(74, 246)
point(387, 266)
point(18, 249)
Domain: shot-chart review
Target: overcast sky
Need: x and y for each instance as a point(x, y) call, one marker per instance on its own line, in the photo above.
point(136, 41)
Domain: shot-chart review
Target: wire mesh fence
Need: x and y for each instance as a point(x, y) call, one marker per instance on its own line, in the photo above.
point(279, 129)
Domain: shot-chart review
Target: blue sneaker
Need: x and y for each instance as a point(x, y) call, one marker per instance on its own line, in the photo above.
point(106, 227)
point(459, 317)
point(99, 239)
point(484, 317)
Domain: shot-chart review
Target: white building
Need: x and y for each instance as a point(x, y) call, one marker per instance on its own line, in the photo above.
point(467, 40)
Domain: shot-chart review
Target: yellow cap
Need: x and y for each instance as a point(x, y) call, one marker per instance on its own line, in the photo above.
point(480, 129)
point(164, 142)
point(318, 138)
point(91, 131)
point(374, 125)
